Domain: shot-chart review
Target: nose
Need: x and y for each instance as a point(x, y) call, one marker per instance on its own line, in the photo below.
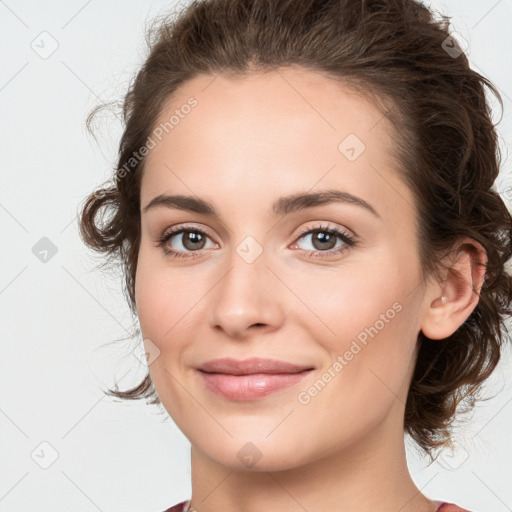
point(246, 299)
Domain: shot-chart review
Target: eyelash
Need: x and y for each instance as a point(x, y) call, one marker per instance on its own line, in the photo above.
point(348, 240)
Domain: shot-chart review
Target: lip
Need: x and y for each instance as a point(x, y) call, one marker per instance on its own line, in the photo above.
point(250, 379)
point(252, 365)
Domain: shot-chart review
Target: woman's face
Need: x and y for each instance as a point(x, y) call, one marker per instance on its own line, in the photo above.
point(255, 280)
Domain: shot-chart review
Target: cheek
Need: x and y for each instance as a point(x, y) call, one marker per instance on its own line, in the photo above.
point(162, 312)
point(371, 360)
point(350, 300)
point(151, 294)
point(368, 326)
point(165, 297)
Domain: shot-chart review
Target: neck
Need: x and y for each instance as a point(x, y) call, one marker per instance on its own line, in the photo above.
point(371, 474)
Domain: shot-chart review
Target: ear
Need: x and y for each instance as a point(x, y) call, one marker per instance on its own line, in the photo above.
point(451, 304)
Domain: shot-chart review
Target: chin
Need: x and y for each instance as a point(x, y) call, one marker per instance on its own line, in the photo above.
point(253, 453)
point(263, 460)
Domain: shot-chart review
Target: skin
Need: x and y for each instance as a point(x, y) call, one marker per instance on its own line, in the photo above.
point(248, 142)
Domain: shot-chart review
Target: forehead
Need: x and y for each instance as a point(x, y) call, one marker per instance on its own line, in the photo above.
point(258, 106)
point(271, 133)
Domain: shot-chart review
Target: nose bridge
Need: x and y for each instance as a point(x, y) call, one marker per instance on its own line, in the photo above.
point(243, 297)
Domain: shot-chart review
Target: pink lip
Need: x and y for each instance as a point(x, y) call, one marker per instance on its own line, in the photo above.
point(250, 379)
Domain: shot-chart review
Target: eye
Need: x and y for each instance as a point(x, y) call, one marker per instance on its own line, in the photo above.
point(324, 240)
point(192, 240)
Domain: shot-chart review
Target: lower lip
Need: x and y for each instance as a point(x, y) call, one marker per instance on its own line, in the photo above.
point(250, 387)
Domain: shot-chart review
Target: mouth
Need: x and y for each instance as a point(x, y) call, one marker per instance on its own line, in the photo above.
point(250, 379)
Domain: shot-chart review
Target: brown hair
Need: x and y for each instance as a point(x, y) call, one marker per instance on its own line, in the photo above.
point(401, 54)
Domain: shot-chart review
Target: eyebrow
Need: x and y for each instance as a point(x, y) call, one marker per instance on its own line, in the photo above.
point(283, 206)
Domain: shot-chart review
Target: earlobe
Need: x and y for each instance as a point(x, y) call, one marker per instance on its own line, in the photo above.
point(460, 293)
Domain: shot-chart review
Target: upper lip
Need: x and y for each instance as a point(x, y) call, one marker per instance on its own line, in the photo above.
point(249, 366)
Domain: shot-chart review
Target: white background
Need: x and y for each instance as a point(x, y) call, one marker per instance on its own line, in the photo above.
point(59, 317)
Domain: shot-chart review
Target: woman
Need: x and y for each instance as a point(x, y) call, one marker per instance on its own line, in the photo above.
point(303, 207)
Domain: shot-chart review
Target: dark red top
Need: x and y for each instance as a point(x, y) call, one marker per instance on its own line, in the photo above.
point(448, 507)
point(443, 507)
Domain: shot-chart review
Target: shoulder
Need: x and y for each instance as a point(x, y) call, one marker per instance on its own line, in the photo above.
point(450, 507)
point(179, 507)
